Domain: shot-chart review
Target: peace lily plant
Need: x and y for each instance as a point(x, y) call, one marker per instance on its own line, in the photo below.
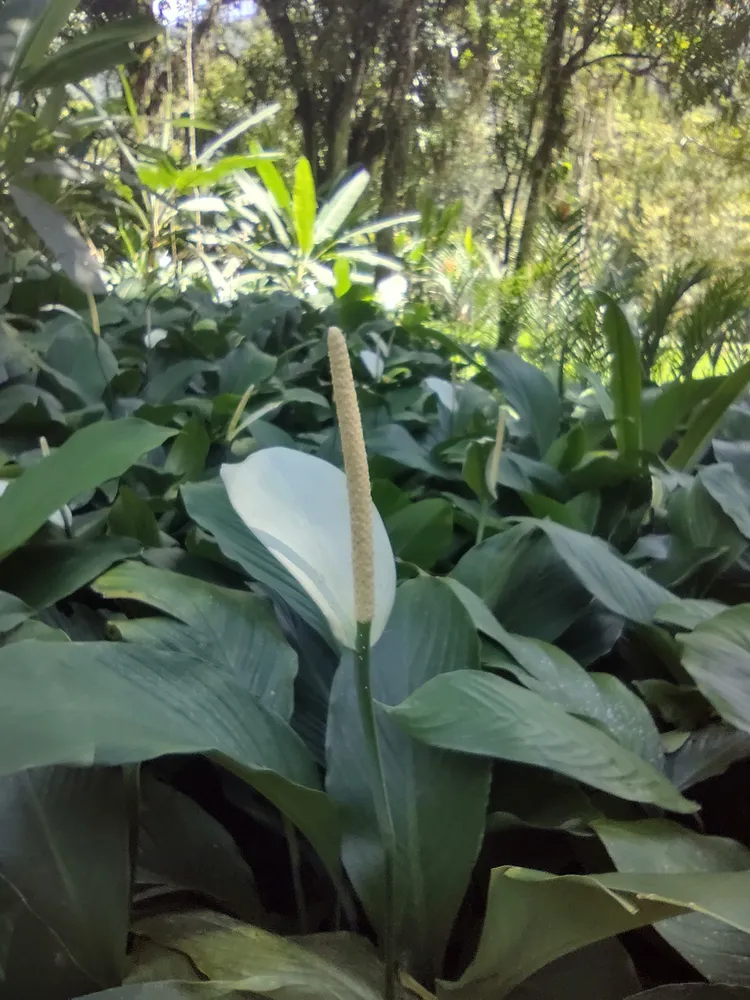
point(322, 525)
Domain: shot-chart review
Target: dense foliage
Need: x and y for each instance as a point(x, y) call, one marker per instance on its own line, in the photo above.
point(500, 751)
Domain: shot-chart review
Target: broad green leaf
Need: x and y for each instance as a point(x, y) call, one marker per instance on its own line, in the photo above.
point(100, 48)
point(478, 713)
point(437, 800)
point(81, 703)
point(548, 670)
point(61, 238)
point(533, 917)
point(729, 492)
point(718, 951)
point(606, 576)
point(706, 753)
point(44, 573)
point(518, 574)
point(209, 506)
point(231, 630)
point(716, 654)
point(530, 393)
point(304, 206)
point(321, 967)
point(88, 458)
point(334, 213)
point(706, 419)
point(189, 451)
point(64, 852)
point(421, 533)
point(626, 380)
point(182, 846)
point(131, 517)
point(171, 991)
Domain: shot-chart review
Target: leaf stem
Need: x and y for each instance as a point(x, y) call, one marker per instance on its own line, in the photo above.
point(366, 707)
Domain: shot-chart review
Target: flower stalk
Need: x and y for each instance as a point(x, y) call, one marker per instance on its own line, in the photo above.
point(493, 470)
point(360, 515)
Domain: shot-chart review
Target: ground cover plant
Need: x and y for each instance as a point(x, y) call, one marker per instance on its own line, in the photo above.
point(559, 680)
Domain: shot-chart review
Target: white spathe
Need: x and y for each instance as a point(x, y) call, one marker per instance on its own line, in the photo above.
point(154, 337)
point(56, 518)
point(297, 506)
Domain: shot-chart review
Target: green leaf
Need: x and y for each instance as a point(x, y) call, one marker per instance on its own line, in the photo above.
point(518, 574)
point(231, 630)
point(27, 29)
point(706, 419)
point(131, 517)
point(437, 800)
point(43, 574)
point(189, 451)
point(321, 967)
point(182, 846)
point(101, 48)
point(273, 181)
point(65, 854)
point(88, 458)
point(606, 576)
point(239, 128)
point(598, 698)
point(730, 493)
point(533, 917)
point(422, 532)
point(209, 506)
point(666, 408)
point(716, 654)
point(304, 206)
point(718, 951)
point(13, 612)
point(80, 703)
point(530, 393)
point(478, 713)
point(339, 206)
point(626, 380)
point(61, 238)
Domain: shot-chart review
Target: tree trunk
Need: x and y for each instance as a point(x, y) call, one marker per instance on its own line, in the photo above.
point(341, 117)
point(558, 76)
point(398, 118)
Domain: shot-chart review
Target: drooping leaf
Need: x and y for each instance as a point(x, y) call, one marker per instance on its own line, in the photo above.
point(717, 950)
point(533, 917)
point(477, 713)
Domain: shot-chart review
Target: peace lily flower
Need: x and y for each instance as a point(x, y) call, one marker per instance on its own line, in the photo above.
point(297, 506)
